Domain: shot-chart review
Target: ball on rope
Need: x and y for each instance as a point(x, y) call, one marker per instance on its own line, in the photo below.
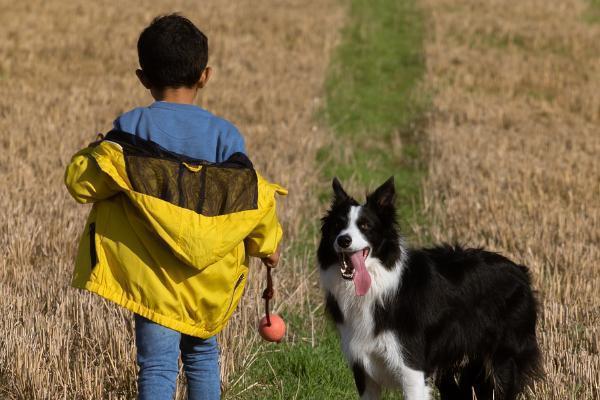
point(273, 332)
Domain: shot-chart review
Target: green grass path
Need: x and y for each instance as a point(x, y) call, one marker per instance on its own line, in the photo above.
point(592, 14)
point(373, 104)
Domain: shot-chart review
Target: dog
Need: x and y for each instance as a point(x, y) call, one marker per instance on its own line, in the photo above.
point(461, 319)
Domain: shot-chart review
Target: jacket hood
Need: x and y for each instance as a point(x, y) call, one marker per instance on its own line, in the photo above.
point(201, 210)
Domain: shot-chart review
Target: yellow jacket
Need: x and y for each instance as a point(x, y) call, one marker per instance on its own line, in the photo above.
point(168, 237)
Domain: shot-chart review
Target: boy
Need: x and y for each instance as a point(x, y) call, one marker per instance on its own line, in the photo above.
point(178, 208)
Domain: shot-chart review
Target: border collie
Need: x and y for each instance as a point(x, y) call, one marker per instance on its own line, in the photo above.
point(462, 319)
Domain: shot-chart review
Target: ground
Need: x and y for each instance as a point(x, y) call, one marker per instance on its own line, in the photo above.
point(506, 114)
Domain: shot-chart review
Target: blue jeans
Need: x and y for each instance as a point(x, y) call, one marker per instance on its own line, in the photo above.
point(158, 351)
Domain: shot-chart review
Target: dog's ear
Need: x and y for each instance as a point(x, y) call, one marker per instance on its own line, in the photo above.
point(384, 196)
point(339, 194)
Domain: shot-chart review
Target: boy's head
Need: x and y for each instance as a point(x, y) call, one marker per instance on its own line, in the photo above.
point(173, 54)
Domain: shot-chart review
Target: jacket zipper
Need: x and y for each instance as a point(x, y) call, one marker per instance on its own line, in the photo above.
point(237, 283)
point(202, 192)
point(93, 255)
point(181, 201)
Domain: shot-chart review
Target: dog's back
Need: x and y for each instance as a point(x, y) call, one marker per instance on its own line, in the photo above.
point(474, 318)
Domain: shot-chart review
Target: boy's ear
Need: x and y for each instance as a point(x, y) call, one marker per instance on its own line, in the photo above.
point(204, 77)
point(384, 196)
point(142, 77)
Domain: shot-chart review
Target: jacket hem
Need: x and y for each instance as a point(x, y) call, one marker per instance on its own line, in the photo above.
point(145, 312)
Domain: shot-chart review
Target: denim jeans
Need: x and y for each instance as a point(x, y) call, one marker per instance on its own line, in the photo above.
point(158, 351)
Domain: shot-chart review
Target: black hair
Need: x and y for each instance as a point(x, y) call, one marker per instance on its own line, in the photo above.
point(172, 52)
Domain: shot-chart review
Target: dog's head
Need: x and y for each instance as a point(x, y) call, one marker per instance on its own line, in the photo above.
point(354, 235)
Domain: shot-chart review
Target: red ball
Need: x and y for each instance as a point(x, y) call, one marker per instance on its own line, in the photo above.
point(273, 333)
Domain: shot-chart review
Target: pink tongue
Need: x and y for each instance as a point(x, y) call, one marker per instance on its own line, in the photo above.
point(362, 279)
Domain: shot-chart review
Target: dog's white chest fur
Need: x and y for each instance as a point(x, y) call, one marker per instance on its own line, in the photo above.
point(380, 355)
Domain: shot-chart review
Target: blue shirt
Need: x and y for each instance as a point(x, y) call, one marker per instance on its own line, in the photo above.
point(185, 129)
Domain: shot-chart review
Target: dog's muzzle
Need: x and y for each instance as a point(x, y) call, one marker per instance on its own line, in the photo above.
point(346, 267)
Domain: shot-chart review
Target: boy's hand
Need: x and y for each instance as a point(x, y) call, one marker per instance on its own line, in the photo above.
point(272, 260)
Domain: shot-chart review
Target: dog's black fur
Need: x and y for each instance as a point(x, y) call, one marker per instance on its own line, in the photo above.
point(465, 317)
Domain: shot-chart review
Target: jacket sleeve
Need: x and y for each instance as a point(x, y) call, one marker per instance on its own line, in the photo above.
point(264, 239)
point(84, 179)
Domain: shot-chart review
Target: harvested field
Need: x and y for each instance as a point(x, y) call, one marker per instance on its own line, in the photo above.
point(514, 165)
point(515, 161)
point(66, 71)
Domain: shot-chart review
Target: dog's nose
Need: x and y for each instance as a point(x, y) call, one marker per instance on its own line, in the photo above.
point(344, 241)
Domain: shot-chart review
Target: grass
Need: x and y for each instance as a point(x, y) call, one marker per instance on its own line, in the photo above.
point(370, 86)
point(299, 368)
point(592, 14)
point(373, 109)
point(373, 100)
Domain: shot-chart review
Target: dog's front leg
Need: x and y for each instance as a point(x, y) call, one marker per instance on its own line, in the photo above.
point(372, 391)
point(367, 388)
point(413, 384)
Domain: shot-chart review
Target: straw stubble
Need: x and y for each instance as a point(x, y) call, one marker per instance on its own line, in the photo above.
point(515, 163)
point(66, 71)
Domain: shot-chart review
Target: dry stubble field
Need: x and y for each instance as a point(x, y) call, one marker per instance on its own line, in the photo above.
point(515, 134)
point(514, 166)
point(66, 71)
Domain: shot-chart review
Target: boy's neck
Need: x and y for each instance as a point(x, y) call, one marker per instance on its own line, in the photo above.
point(181, 95)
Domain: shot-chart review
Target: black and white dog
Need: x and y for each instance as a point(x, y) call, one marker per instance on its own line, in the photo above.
point(463, 319)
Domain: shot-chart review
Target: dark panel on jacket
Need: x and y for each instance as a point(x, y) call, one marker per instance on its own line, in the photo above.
point(207, 188)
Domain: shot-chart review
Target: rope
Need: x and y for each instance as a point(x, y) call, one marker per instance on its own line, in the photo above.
point(268, 295)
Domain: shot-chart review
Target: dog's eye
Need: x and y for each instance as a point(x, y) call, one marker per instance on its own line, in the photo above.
point(364, 226)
